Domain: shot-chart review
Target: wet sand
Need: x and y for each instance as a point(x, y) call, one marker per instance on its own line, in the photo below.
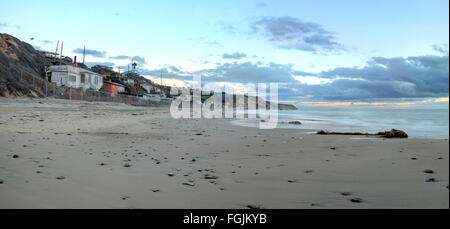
point(76, 154)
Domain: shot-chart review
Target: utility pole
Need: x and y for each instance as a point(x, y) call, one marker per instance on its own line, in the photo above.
point(84, 53)
point(60, 56)
point(56, 51)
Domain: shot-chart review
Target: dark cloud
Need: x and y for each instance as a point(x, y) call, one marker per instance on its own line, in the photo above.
point(292, 33)
point(443, 49)
point(411, 77)
point(232, 72)
point(90, 52)
point(236, 55)
point(382, 78)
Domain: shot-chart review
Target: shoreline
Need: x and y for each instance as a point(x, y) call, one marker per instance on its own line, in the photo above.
point(90, 143)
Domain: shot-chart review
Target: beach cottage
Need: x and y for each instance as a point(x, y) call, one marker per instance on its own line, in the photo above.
point(113, 88)
point(75, 77)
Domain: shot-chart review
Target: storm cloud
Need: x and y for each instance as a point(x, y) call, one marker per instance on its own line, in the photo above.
point(411, 77)
point(381, 78)
point(292, 33)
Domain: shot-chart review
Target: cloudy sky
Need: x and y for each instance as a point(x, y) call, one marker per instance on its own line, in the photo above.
point(318, 51)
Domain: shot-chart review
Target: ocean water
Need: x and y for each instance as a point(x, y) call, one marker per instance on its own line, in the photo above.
point(418, 121)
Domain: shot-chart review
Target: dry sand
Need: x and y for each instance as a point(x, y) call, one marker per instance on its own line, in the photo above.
point(281, 168)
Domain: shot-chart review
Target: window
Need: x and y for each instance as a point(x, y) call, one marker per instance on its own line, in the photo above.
point(83, 78)
point(72, 78)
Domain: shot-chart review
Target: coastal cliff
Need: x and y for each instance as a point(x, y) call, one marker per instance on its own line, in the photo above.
point(282, 106)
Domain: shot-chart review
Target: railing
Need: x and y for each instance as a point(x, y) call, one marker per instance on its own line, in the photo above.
point(51, 90)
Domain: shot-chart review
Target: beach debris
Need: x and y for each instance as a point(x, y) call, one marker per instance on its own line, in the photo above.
point(292, 180)
point(254, 206)
point(15, 156)
point(413, 158)
point(431, 180)
point(102, 164)
point(346, 193)
point(428, 171)
point(295, 122)
point(60, 177)
point(155, 190)
point(126, 165)
point(38, 171)
point(309, 171)
point(198, 134)
point(1, 181)
point(356, 200)
point(440, 158)
point(313, 204)
point(170, 174)
point(125, 197)
point(189, 183)
point(393, 133)
point(210, 177)
point(194, 160)
point(333, 148)
point(25, 146)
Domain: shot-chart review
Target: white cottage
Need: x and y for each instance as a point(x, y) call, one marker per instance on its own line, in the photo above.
point(70, 76)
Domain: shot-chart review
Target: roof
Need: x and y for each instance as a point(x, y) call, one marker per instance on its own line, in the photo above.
point(71, 69)
point(82, 70)
point(114, 83)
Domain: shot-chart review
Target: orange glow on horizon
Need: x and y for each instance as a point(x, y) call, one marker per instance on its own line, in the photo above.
point(332, 104)
point(442, 99)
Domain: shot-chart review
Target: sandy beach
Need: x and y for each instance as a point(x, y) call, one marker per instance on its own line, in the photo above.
point(77, 154)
